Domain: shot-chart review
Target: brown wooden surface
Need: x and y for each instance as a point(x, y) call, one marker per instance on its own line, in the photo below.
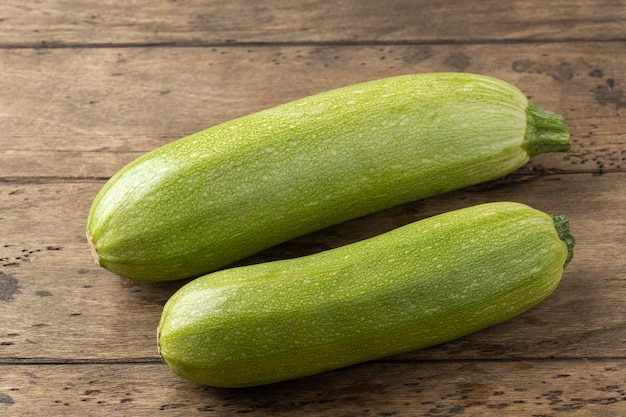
point(86, 87)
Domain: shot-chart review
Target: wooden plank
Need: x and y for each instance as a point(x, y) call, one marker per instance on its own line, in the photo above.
point(85, 115)
point(58, 306)
point(56, 22)
point(468, 388)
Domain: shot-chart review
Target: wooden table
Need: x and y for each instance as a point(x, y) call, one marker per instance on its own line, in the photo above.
point(86, 87)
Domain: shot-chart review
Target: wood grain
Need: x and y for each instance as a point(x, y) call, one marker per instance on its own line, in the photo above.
point(468, 388)
point(53, 23)
point(98, 109)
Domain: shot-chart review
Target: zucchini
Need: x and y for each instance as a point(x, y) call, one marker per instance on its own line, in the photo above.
point(416, 286)
point(203, 202)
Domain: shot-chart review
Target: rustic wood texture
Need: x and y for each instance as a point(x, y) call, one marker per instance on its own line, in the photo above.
point(579, 388)
point(89, 123)
point(80, 22)
point(88, 86)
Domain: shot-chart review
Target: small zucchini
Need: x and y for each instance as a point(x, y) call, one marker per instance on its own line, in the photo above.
point(416, 286)
point(203, 202)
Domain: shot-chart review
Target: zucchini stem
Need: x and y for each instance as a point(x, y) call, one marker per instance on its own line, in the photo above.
point(545, 132)
point(561, 224)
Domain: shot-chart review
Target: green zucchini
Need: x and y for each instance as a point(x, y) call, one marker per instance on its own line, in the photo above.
point(203, 202)
point(416, 286)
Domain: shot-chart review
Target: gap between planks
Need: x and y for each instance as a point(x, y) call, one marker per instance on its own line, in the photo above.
point(94, 179)
point(389, 361)
point(296, 44)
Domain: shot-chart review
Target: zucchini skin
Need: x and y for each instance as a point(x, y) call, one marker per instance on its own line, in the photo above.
point(203, 202)
point(416, 286)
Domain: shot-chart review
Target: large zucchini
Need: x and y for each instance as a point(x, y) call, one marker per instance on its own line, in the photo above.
point(419, 285)
point(203, 202)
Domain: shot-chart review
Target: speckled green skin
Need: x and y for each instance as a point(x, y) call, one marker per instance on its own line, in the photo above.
point(416, 286)
point(205, 201)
